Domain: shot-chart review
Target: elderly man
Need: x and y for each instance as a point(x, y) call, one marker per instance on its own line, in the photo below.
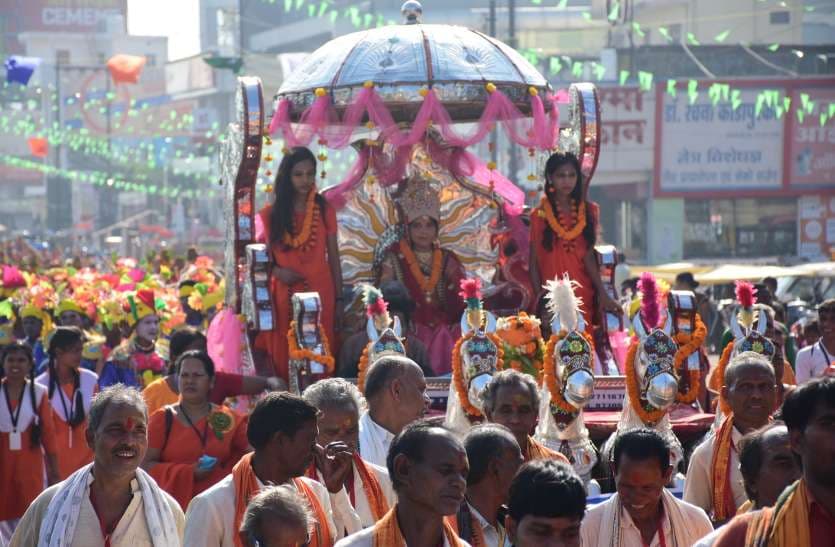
point(494, 458)
point(512, 400)
point(282, 430)
point(804, 512)
point(277, 516)
point(395, 390)
point(546, 506)
point(643, 512)
point(714, 482)
point(111, 501)
point(428, 468)
point(368, 485)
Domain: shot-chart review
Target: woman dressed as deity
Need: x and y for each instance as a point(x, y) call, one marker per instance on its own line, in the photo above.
point(431, 274)
point(563, 235)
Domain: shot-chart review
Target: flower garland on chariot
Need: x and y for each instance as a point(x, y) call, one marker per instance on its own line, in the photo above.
point(477, 355)
point(522, 343)
point(384, 334)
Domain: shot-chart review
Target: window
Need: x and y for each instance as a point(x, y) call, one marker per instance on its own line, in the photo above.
point(779, 17)
point(62, 57)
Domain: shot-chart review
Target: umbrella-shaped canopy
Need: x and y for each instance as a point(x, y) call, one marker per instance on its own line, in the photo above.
point(401, 60)
point(742, 272)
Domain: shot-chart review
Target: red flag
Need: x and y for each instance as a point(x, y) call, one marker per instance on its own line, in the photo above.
point(126, 68)
point(39, 147)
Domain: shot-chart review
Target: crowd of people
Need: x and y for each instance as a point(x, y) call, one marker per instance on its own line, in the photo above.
point(122, 424)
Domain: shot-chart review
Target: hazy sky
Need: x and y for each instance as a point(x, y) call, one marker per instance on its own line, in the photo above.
point(177, 19)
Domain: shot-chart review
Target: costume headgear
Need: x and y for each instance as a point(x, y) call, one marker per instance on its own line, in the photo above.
point(420, 200)
point(384, 335)
point(68, 304)
point(139, 305)
point(10, 281)
point(31, 310)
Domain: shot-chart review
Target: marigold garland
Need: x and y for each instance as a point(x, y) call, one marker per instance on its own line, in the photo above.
point(458, 373)
point(687, 345)
point(549, 373)
point(547, 212)
point(311, 218)
point(362, 369)
point(649, 417)
point(299, 354)
point(426, 285)
point(717, 376)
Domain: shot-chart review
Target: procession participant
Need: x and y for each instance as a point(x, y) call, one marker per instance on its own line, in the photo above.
point(494, 457)
point(194, 444)
point(69, 313)
point(300, 229)
point(36, 325)
point(109, 501)
point(642, 512)
point(70, 389)
point(546, 506)
point(395, 391)
point(563, 235)
point(813, 360)
point(401, 306)
point(368, 485)
point(804, 514)
point(27, 437)
point(768, 467)
point(166, 391)
point(713, 481)
point(428, 468)
point(430, 273)
point(511, 399)
point(277, 515)
point(282, 430)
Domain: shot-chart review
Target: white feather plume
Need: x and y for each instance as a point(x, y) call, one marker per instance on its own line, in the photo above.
point(563, 303)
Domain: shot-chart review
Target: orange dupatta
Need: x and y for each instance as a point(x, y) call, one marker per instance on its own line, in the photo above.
point(538, 451)
point(784, 525)
point(371, 486)
point(477, 539)
point(386, 532)
point(246, 486)
point(724, 506)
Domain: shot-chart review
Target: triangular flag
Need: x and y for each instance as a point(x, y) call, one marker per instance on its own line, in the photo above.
point(126, 68)
point(19, 69)
point(39, 147)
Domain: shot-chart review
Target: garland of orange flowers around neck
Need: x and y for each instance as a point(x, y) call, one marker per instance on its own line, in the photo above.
point(303, 239)
point(549, 374)
point(362, 369)
point(687, 345)
point(547, 212)
point(426, 285)
point(297, 353)
point(649, 417)
point(458, 372)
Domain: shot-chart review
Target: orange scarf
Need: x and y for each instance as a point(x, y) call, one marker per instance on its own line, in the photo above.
point(538, 451)
point(724, 506)
point(246, 486)
point(784, 525)
point(371, 486)
point(387, 532)
point(477, 538)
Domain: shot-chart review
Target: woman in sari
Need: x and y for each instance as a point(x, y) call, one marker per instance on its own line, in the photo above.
point(194, 443)
point(300, 230)
point(431, 274)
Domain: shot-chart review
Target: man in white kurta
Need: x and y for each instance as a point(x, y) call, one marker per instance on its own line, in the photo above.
point(375, 441)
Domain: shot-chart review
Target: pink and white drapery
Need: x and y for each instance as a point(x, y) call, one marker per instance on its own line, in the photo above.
point(320, 120)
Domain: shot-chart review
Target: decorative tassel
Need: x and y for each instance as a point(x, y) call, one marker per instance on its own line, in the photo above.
point(563, 302)
point(471, 293)
point(746, 295)
point(376, 307)
point(650, 310)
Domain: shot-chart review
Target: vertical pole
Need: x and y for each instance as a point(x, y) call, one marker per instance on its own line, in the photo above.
point(494, 154)
point(513, 166)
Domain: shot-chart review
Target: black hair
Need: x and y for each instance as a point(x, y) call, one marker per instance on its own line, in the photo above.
point(751, 452)
point(557, 160)
point(801, 403)
point(546, 488)
point(382, 371)
point(21, 347)
point(281, 218)
point(411, 442)
point(63, 338)
point(827, 305)
point(181, 338)
point(483, 444)
point(278, 412)
point(641, 444)
point(200, 355)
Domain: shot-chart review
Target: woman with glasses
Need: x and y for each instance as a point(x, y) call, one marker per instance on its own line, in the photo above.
point(194, 443)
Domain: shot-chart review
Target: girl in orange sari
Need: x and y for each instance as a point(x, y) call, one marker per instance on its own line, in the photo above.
point(194, 444)
point(563, 235)
point(300, 229)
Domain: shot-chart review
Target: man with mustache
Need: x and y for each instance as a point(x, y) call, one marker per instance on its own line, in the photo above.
point(395, 390)
point(111, 501)
point(428, 469)
point(643, 512)
point(283, 431)
point(714, 481)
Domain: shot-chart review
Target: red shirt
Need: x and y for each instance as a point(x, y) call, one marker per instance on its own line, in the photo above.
point(821, 524)
point(226, 385)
